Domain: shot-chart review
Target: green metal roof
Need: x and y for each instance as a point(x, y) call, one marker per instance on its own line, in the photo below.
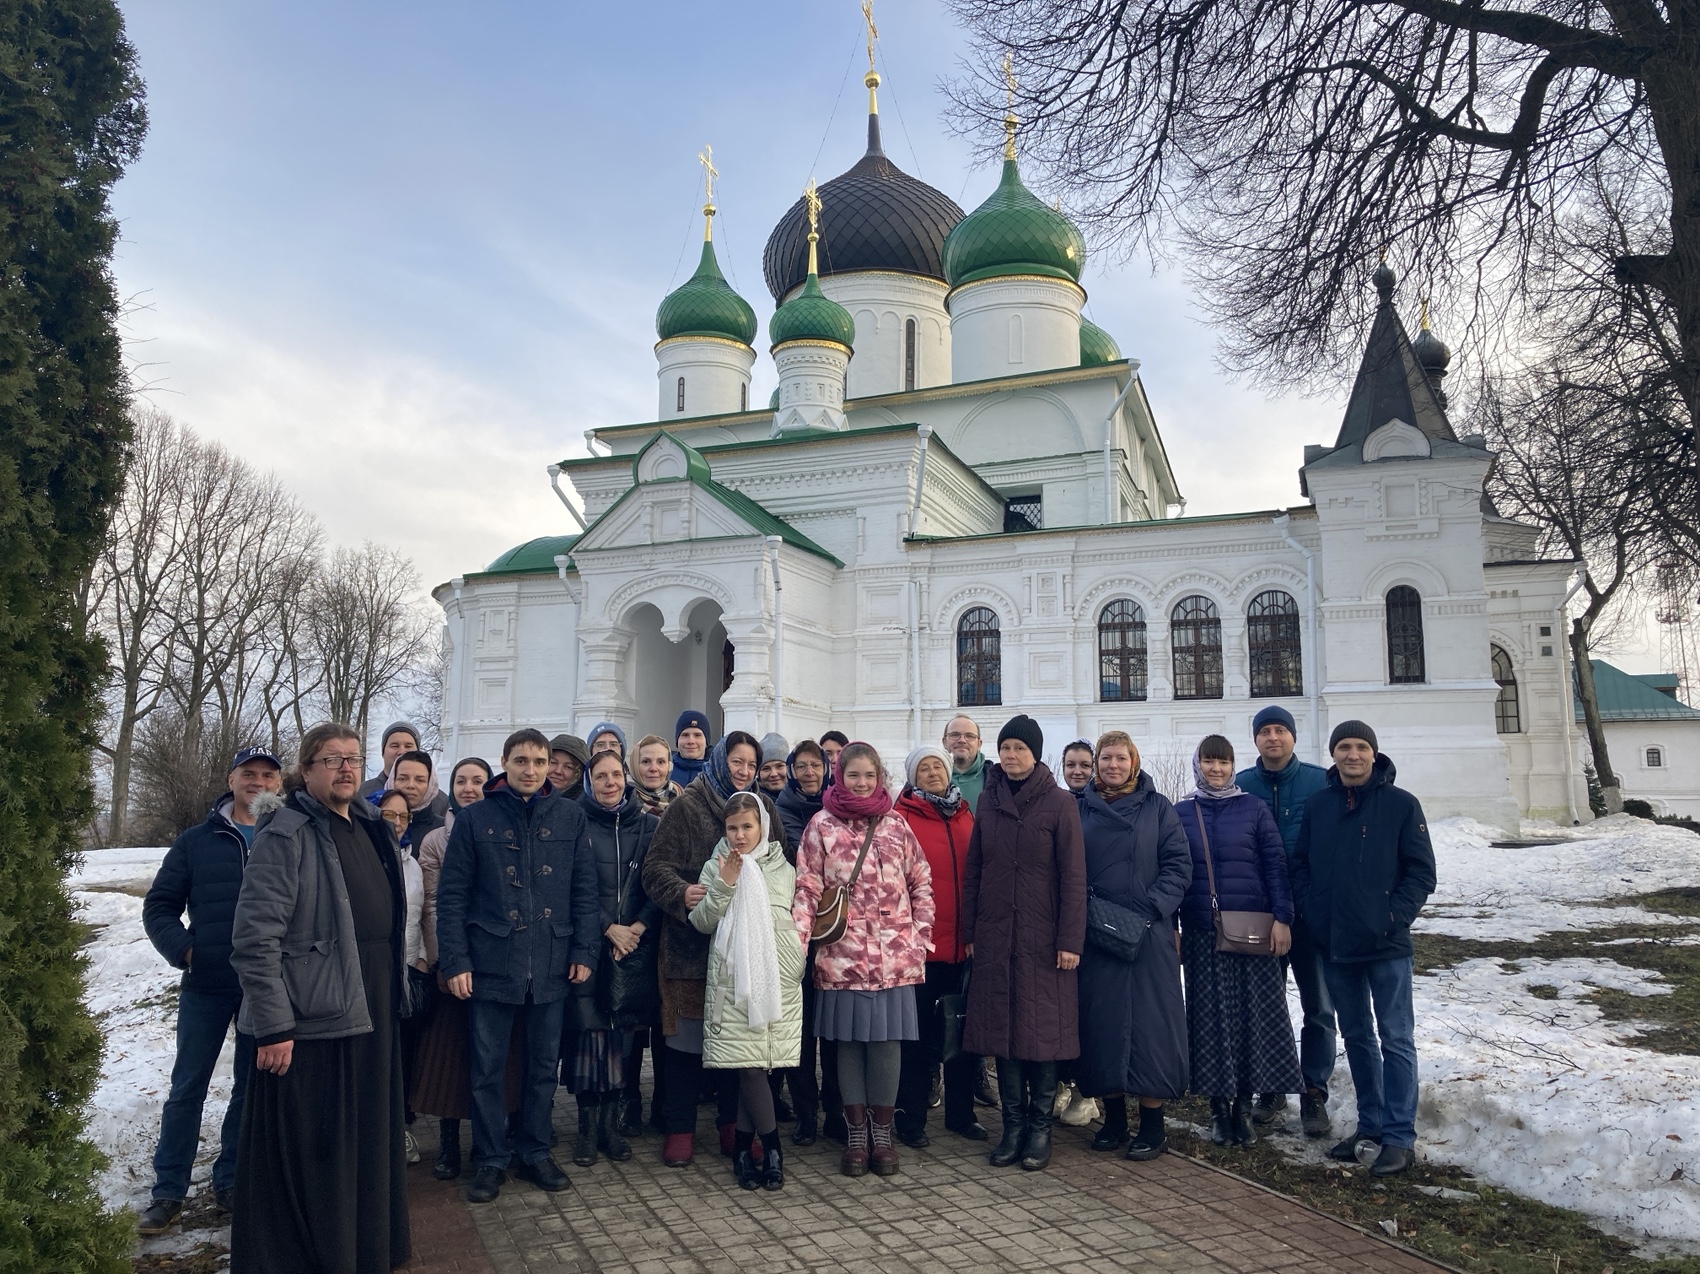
point(706, 305)
point(533, 557)
point(1624, 697)
point(1013, 232)
point(1097, 346)
point(811, 315)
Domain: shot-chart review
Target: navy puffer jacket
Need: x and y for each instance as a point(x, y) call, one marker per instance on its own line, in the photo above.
point(202, 873)
point(1246, 851)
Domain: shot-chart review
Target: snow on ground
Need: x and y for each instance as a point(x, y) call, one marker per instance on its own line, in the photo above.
point(133, 993)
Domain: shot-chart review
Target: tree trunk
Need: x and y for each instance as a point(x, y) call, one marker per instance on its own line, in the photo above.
point(118, 820)
point(1609, 788)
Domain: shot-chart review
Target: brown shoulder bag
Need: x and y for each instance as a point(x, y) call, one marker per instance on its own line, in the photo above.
point(832, 912)
point(1242, 932)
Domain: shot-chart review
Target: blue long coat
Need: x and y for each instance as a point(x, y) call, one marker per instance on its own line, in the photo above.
point(1132, 1018)
point(1247, 853)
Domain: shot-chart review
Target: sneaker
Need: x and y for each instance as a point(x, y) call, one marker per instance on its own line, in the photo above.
point(1267, 1108)
point(1080, 1111)
point(935, 1098)
point(545, 1174)
point(985, 1087)
point(412, 1147)
point(1392, 1161)
point(486, 1185)
point(1313, 1113)
point(160, 1216)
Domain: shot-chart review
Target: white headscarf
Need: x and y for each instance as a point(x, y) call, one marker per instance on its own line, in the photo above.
point(744, 937)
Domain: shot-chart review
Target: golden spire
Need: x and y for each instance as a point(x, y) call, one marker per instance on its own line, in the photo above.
point(1425, 314)
point(709, 173)
point(1009, 120)
point(872, 78)
point(812, 199)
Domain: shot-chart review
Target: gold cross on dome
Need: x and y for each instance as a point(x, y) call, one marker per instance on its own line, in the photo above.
point(873, 31)
point(812, 198)
point(1009, 120)
point(709, 171)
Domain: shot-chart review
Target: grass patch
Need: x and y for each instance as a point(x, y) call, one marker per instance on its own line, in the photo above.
point(1674, 1018)
point(1496, 1233)
point(134, 888)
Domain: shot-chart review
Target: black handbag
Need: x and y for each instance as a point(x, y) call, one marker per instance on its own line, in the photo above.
point(418, 996)
point(1113, 929)
point(627, 991)
point(953, 1012)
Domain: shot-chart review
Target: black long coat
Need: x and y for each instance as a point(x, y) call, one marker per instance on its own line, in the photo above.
point(1132, 1017)
point(1024, 900)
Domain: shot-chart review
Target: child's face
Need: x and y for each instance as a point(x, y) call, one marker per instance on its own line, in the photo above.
point(743, 831)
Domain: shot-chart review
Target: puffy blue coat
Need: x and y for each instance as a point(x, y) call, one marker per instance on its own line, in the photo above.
point(1247, 854)
point(1285, 792)
point(1363, 867)
point(517, 901)
point(202, 872)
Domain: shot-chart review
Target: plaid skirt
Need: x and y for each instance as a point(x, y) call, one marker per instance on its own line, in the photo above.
point(1239, 1034)
point(598, 1062)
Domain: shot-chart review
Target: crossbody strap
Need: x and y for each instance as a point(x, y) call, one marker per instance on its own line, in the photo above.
point(1198, 813)
point(866, 841)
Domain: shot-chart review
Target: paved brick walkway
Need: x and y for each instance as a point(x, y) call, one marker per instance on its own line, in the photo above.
point(947, 1211)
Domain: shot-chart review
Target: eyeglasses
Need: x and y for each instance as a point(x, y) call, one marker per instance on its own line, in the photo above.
point(957, 736)
point(397, 820)
point(339, 762)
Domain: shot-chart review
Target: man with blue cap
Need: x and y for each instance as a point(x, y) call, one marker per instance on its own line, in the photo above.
point(1285, 783)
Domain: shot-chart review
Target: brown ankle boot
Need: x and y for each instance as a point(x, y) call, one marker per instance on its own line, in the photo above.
point(882, 1157)
point(855, 1160)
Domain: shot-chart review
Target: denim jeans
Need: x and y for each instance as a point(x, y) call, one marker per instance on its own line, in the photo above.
point(1373, 999)
point(1317, 1041)
point(203, 1018)
point(491, 1027)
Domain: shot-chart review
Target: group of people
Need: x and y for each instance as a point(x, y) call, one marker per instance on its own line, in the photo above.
point(765, 918)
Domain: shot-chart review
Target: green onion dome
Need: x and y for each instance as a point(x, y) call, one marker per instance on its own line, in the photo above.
point(773, 400)
point(1097, 346)
point(706, 305)
point(1013, 232)
point(811, 315)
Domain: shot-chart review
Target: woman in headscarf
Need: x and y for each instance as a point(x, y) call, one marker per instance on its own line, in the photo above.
point(1238, 1030)
point(1132, 1017)
point(755, 972)
point(933, 807)
point(690, 829)
point(1024, 910)
point(442, 1064)
point(865, 982)
point(413, 776)
point(595, 1051)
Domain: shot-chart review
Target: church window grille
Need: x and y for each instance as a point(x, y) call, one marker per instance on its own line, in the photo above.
point(1655, 758)
point(1277, 659)
point(1507, 718)
point(1121, 652)
point(1195, 632)
point(979, 658)
point(1024, 513)
point(1405, 636)
point(909, 354)
point(681, 394)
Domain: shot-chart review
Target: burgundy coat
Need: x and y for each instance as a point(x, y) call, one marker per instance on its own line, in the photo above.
point(1024, 900)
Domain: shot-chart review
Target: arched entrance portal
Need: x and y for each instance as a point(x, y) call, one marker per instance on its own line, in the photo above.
point(668, 677)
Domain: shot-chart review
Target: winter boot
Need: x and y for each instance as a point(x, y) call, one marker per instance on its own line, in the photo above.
point(1313, 1112)
point(1221, 1126)
point(882, 1157)
point(1114, 1131)
point(447, 1167)
point(1150, 1141)
point(631, 1117)
point(855, 1160)
point(1267, 1108)
point(1042, 1082)
point(1013, 1101)
point(584, 1149)
point(609, 1139)
point(772, 1164)
point(1239, 1121)
point(744, 1163)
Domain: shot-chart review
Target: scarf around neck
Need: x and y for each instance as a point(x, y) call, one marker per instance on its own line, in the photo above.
point(947, 805)
point(1204, 792)
point(838, 801)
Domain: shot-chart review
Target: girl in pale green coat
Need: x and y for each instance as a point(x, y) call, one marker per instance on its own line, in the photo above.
point(753, 1017)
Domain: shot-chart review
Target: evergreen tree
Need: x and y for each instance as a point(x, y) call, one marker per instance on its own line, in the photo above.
point(71, 118)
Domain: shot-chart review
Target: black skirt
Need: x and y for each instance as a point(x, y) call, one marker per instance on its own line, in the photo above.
point(320, 1168)
point(1239, 1034)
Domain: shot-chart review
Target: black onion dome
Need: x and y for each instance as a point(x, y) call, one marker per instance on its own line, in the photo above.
point(874, 217)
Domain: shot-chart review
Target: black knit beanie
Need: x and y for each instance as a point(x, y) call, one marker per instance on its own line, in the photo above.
point(1352, 730)
point(1026, 729)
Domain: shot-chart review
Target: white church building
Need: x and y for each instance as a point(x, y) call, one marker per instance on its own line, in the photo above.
point(958, 500)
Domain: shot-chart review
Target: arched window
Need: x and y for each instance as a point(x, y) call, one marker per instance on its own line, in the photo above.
point(1405, 636)
point(909, 354)
point(1015, 343)
point(681, 405)
point(1121, 652)
point(979, 658)
point(1195, 632)
point(1506, 717)
point(1272, 631)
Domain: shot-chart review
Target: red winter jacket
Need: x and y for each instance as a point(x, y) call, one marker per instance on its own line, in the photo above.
point(946, 847)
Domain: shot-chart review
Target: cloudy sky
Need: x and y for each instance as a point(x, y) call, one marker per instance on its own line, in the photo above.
point(406, 254)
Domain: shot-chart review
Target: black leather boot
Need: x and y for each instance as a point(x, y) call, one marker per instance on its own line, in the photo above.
point(447, 1167)
point(1042, 1100)
point(1221, 1121)
point(1012, 1099)
point(609, 1139)
point(1114, 1131)
point(1151, 1140)
point(584, 1149)
point(1239, 1121)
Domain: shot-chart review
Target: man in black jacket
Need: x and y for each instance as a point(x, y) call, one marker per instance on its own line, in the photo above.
point(203, 873)
point(1362, 869)
point(518, 919)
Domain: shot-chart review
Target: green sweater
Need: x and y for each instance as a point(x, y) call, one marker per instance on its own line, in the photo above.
point(972, 781)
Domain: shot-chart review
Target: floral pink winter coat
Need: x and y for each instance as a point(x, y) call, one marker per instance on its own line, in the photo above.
point(891, 903)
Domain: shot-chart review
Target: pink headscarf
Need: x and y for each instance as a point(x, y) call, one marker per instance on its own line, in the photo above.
point(841, 803)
